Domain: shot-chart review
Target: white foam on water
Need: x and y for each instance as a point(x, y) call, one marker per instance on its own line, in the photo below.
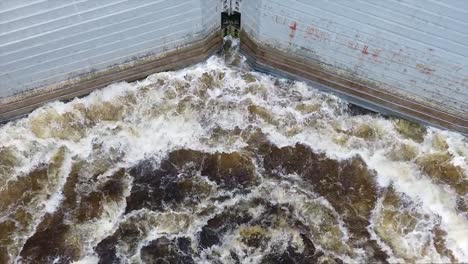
point(87, 260)
point(434, 198)
point(138, 136)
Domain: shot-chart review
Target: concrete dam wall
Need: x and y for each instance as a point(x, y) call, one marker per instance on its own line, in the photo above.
point(402, 57)
point(407, 58)
point(58, 49)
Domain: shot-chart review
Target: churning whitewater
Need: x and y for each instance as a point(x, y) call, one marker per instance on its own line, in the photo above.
point(216, 163)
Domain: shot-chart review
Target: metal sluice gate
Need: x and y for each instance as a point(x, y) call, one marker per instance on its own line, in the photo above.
point(231, 18)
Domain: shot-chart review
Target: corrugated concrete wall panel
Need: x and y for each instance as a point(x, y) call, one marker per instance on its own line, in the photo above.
point(48, 41)
point(416, 49)
point(210, 12)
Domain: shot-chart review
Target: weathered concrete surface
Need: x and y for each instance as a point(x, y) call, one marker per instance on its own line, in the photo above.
point(357, 91)
point(402, 57)
point(23, 103)
point(55, 49)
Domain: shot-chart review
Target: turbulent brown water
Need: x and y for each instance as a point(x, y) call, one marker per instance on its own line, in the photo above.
point(219, 164)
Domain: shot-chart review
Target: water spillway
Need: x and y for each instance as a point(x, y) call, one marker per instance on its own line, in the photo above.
point(220, 163)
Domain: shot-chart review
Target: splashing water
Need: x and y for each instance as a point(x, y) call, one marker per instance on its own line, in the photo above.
point(216, 163)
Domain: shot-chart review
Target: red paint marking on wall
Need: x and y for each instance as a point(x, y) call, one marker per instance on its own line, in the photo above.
point(292, 33)
point(424, 69)
point(364, 50)
point(293, 28)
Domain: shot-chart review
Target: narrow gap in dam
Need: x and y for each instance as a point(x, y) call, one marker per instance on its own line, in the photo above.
point(231, 23)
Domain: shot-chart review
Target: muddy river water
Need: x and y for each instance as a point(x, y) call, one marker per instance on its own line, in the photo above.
point(217, 163)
